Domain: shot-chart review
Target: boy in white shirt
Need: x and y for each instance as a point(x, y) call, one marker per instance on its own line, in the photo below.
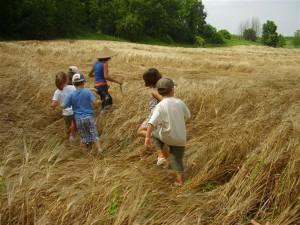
point(63, 90)
point(167, 126)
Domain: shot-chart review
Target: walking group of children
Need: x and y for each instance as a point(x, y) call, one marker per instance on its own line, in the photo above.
point(164, 129)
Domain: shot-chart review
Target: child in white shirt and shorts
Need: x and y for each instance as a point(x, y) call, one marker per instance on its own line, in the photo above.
point(62, 91)
point(166, 126)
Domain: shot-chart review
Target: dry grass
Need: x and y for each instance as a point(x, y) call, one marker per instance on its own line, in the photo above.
point(242, 158)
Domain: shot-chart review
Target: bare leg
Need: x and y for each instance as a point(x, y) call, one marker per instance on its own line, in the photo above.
point(179, 179)
point(99, 149)
point(142, 131)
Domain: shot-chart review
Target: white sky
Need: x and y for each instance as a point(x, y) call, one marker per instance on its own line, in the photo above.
point(228, 14)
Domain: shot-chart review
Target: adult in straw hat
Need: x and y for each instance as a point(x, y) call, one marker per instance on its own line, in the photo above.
point(101, 76)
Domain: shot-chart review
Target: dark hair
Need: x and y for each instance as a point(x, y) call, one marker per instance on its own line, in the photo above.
point(60, 80)
point(76, 84)
point(151, 76)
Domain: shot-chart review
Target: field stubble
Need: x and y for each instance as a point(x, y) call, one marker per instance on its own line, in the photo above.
point(243, 154)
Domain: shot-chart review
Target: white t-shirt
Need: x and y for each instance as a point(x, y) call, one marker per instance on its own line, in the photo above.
point(169, 117)
point(60, 96)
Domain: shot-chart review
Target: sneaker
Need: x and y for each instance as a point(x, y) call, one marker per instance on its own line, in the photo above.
point(178, 184)
point(178, 181)
point(161, 161)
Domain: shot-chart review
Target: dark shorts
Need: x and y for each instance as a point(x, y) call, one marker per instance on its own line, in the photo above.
point(68, 123)
point(106, 99)
point(176, 155)
point(87, 130)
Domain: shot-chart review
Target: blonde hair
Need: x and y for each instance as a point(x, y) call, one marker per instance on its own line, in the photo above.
point(60, 80)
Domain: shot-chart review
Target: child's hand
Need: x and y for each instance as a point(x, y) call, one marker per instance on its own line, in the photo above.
point(94, 90)
point(148, 142)
point(54, 104)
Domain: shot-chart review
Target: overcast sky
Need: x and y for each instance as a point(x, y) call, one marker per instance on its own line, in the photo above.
point(228, 14)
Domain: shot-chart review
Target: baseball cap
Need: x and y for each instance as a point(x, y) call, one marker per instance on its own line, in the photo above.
point(74, 69)
point(77, 78)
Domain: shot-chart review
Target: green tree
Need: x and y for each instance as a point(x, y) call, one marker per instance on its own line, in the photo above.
point(211, 35)
point(269, 35)
point(11, 14)
point(225, 34)
point(94, 14)
point(249, 34)
point(131, 27)
point(281, 41)
point(37, 19)
point(179, 20)
point(296, 38)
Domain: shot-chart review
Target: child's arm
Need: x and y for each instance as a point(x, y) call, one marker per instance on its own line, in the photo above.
point(91, 73)
point(54, 104)
point(93, 99)
point(148, 140)
point(152, 123)
point(93, 90)
point(96, 103)
point(187, 113)
point(67, 102)
point(109, 78)
point(156, 95)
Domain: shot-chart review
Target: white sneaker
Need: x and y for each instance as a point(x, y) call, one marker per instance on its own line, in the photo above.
point(161, 161)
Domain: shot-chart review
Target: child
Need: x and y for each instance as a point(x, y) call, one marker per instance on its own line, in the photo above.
point(63, 90)
point(72, 70)
point(100, 72)
point(82, 101)
point(151, 76)
point(168, 123)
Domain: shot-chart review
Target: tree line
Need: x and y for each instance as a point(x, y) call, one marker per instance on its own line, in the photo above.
point(169, 20)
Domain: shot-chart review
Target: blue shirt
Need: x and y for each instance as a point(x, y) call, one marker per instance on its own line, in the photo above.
point(81, 101)
point(99, 72)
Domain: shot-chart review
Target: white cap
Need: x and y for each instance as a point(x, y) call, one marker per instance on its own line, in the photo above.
point(77, 78)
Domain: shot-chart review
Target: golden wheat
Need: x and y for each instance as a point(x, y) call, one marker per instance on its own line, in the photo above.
point(242, 158)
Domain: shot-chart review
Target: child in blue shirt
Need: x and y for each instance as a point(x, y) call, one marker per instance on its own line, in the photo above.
point(82, 102)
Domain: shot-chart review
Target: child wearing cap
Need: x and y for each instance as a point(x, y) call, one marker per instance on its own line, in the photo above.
point(83, 101)
point(167, 126)
point(62, 91)
point(100, 73)
point(151, 77)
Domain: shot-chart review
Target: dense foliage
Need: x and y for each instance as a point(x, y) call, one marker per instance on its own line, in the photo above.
point(225, 34)
point(211, 35)
point(173, 20)
point(249, 34)
point(270, 36)
point(296, 39)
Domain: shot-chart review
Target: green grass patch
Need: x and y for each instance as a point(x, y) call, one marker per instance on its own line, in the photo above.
point(94, 36)
point(164, 42)
point(289, 43)
point(114, 205)
point(236, 41)
point(209, 186)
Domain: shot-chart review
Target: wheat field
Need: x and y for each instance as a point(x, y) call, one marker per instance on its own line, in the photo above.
point(242, 158)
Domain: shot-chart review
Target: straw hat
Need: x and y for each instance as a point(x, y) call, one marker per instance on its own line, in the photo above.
point(106, 53)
